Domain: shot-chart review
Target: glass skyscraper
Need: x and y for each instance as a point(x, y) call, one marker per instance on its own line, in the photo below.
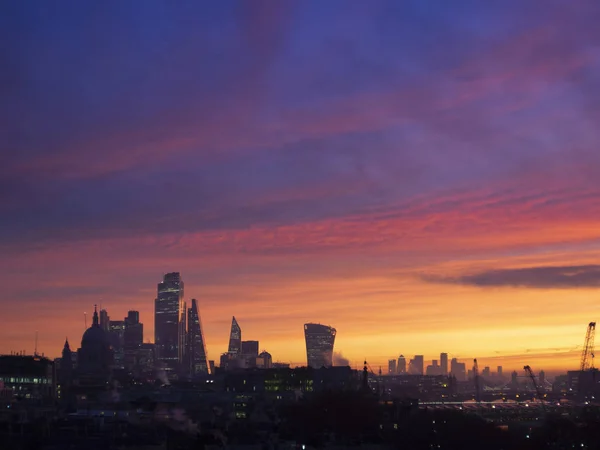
point(196, 344)
point(235, 338)
point(169, 329)
point(319, 345)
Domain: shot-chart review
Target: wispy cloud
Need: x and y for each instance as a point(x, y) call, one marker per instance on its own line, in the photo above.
point(562, 277)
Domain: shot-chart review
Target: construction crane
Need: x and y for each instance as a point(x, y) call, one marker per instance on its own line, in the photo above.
point(366, 370)
point(477, 382)
point(587, 354)
point(538, 389)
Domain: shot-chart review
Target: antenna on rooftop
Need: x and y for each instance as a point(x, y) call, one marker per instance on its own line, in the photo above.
point(85, 319)
point(36, 342)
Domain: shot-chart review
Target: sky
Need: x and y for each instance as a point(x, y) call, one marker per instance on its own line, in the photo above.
point(423, 176)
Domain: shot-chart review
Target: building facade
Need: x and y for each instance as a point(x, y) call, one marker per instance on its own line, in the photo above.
point(444, 363)
point(133, 339)
point(319, 345)
point(250, 348)
point(196, 344)
point(401, 368)
point(169, 331)
point(235, 338)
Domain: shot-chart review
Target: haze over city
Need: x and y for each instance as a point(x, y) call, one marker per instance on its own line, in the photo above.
point(422, 177)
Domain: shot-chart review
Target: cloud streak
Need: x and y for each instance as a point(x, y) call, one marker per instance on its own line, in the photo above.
point(560, 277)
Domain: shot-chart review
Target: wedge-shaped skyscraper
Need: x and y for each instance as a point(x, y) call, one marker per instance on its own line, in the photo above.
point(196, 343)
point(235, 338)
point(319, 345)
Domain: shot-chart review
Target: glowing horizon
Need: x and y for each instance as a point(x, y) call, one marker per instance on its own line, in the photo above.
point(423, 178)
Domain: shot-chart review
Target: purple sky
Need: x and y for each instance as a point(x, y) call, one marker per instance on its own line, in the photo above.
point(258, 146)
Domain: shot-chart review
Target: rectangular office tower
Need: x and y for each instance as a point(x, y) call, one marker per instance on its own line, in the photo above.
point(250, 348)
point(169, 330)
point(319, 345)
point(196, 343)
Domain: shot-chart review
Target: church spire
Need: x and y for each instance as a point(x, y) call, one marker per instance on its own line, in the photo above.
point(95, 323)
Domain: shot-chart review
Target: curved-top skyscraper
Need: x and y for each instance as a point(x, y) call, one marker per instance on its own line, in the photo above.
point(319, 344)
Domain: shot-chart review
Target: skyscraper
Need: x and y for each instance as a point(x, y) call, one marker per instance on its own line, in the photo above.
point(196, 343)
point(401, 364)
point(250, 348)
point(444, 363)
point(168, 328)
point(319, 345)
point(104, 320)
point(235, 338)
point(133, 338)
point(458, 370)
point(116, 336)
point(392, 367)
point(417, 365)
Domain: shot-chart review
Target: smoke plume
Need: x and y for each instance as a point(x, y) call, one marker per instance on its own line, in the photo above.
point(339, 360)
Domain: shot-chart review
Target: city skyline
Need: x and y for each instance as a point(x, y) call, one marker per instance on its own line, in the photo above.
point(172, 284)
point(421, 176)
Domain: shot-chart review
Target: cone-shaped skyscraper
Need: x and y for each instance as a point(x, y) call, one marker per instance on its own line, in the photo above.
point(235, 338)
point(197, 345)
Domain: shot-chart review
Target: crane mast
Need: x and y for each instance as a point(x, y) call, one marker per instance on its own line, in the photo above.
point(587, 354)
point(535, 385)
point(477, 382)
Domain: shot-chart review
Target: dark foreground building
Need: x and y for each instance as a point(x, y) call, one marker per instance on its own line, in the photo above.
point(319, 345)
point(28, 377)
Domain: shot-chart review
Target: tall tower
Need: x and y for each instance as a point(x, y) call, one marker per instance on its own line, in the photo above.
point(169, 332)
point(196, 343)
point(319, 345)
point(444, 363)
point(133, 339)
point(104, 320)
point(401, 364)
point(235, 338)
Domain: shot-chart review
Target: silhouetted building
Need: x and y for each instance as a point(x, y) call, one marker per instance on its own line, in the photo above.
point(224, 361)
point(319, 345)
point(392, 366)
point(104, 320)
point(95, 357)
point(401, 364)
point(250, 348)
point(434, 368)
point(196, 344)
point(235, 338)
point(458, 370)
point(28, 377)
point(133, 339)
point(116, 336)
point(486, 372)
point(499, 369)
point(211, 365)
point(146, 359)
point(169, 332)
point(542, 379)
point(264, 360)
point(444, 363)
point(514, 383)
point(64, 375)
point(417, 365)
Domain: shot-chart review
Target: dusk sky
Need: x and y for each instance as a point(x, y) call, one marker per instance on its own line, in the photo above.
point(422, 175)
